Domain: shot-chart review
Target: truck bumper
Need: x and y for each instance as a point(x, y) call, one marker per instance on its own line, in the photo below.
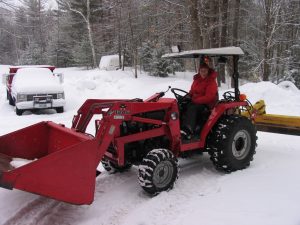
point(31, 105)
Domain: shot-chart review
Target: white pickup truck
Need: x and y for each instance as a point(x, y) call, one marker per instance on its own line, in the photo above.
point(35, 88)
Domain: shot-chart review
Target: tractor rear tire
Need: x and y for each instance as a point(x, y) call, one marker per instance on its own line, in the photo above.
point(232, 143)
point(113, 168)
point(158, 171)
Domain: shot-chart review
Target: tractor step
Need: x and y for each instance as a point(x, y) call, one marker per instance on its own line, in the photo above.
point(194, 138)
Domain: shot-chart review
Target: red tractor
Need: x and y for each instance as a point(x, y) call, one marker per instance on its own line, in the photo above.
point(129, 132)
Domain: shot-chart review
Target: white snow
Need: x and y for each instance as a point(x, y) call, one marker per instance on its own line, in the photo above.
point(36, 80)
point(17, 162)
point(4, 70)
point(267, 193)
point(109, 62)
point(288, 85)
point(32, 66)
point(211, 51)
point(278, 100)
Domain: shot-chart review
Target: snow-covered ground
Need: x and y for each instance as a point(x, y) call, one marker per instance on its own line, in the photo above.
point(267, 193)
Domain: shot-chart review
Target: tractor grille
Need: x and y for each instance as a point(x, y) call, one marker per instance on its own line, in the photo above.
point(30, 97)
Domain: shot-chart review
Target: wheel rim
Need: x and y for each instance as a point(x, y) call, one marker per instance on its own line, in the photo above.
point(163, 174)
point(241, 144)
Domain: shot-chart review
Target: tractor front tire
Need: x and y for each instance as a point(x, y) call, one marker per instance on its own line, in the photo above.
point(113, 168)
point(158, 171)
point(232, 143)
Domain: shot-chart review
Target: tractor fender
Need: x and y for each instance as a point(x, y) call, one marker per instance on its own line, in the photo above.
point(215, 115)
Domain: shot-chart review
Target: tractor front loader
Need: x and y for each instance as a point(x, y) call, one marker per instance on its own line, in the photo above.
point(128, 132)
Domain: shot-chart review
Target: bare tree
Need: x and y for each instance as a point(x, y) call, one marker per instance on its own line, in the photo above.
point(192, 5)
point(271, 10)
point(86, 16)
point(224, 34)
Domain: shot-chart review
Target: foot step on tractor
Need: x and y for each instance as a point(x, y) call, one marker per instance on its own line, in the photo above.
point(130, 132)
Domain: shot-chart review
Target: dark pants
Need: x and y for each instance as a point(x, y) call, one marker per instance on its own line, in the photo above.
point(192, 116)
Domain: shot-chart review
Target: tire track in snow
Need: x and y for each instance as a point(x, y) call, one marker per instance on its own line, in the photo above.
point(33, 212)
point(44, 211)
point(197, 179)
point(118, 196)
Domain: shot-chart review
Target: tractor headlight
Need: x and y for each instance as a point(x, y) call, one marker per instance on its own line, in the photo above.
point(21, 98)
point(61, 95)
point(174, 115)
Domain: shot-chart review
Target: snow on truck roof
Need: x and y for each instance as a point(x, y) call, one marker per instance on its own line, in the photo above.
point(28, 80)
point(14, 69)
point(109, 62)
point(32, 72)
point(226, 51)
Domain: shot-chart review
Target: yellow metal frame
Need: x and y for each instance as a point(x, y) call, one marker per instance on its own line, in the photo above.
point(272, 123)
point(280, 120)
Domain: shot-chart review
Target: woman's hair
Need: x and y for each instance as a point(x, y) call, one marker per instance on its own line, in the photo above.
point(204, 65)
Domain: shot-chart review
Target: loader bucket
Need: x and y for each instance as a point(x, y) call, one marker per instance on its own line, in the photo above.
point(63, 167)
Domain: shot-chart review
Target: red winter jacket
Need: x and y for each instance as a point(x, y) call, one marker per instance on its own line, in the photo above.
point(205, 91)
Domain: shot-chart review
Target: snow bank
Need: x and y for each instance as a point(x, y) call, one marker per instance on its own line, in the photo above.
point(288, 85)
point(90, 85)
point(277, 99)
point(4, 69)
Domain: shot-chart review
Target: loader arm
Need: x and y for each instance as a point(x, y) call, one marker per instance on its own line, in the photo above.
point(89, 109)
point(65, 160)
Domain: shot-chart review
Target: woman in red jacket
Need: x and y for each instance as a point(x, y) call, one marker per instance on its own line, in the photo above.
point(204, 94)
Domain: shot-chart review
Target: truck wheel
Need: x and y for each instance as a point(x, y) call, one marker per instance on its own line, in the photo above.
point(232, 143)
point(113, 168)
point(10, 99)
point(19, 112)
point(158, 171)
point(60, 109)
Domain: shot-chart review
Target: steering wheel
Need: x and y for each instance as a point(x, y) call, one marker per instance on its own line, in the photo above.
point(180, 97)
point(229, 96)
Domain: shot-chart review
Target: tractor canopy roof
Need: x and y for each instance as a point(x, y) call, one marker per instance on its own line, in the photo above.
point(212, 52)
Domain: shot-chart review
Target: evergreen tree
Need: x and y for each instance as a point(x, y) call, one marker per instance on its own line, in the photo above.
point(60, 46)
point(33, 55)
point(82, 53)
point(153, 62)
